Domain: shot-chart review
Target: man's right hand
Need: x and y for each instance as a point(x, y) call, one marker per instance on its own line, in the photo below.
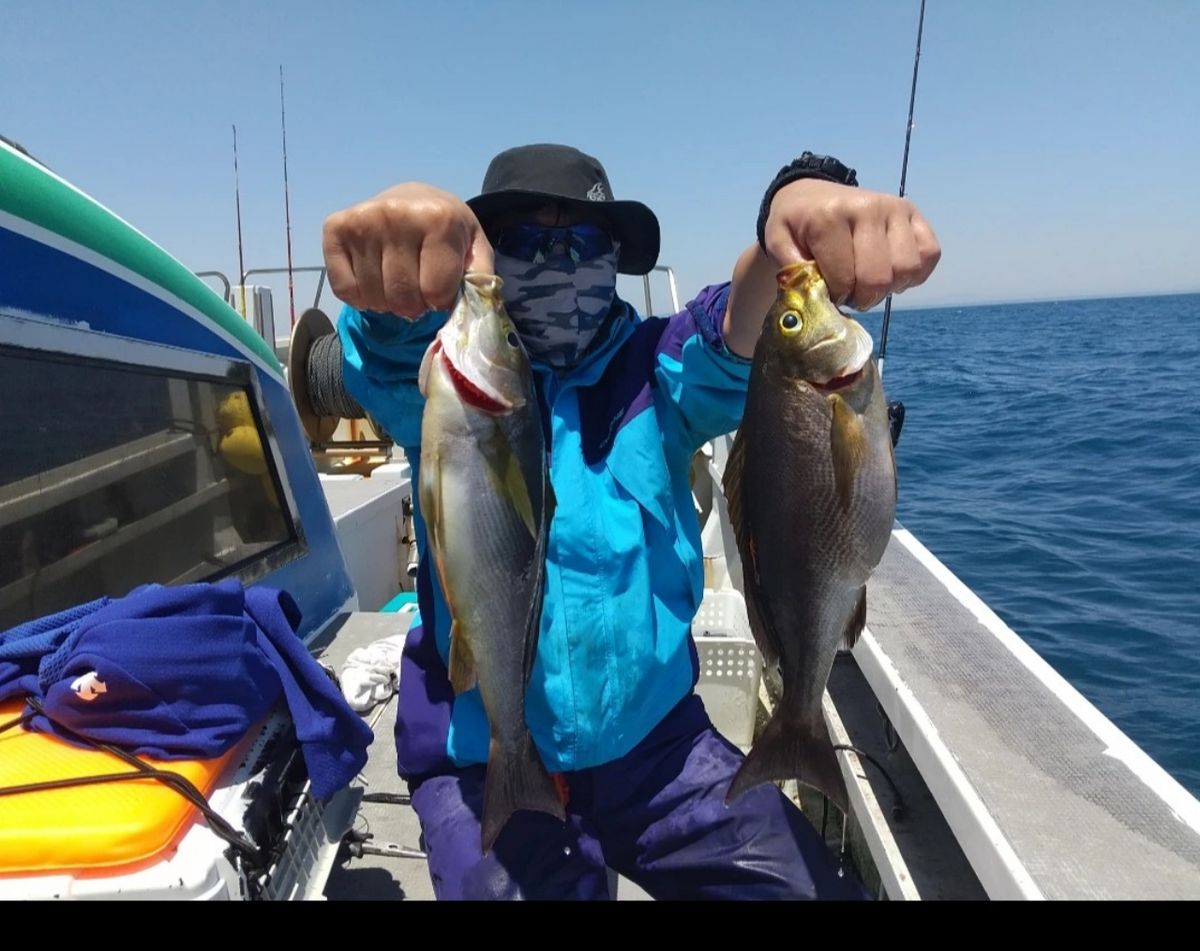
point(404, 251)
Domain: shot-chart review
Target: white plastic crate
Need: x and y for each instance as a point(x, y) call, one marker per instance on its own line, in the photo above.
point(730, 665)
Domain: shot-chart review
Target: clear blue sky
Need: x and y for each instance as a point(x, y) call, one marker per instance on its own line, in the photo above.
point(1056, 150)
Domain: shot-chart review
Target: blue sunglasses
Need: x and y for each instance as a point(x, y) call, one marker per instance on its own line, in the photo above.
point(537, 244)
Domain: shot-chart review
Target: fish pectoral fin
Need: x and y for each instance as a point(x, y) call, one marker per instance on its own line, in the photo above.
point(848, 447)
point(858, 620)
point(508, 479)
point(462, 661)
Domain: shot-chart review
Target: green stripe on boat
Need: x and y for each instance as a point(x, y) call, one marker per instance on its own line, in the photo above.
point(29, 192)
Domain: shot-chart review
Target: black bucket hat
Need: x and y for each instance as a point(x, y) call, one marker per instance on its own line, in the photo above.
point(535, 174)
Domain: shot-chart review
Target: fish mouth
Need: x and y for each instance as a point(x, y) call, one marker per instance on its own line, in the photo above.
point(841, 382)
point(469, 392)
point(853, 364)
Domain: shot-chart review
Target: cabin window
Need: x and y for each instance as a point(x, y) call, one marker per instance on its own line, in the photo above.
point(113, 476)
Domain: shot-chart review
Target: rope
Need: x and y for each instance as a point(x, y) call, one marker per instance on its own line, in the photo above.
point(141, 771)
point(326, 388)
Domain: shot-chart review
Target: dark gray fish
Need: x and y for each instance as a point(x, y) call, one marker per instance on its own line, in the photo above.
point(811, 484)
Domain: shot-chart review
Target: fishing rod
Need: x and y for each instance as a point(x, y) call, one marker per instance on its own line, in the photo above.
point(237, 196)
point(287, 214)
point(912, 100)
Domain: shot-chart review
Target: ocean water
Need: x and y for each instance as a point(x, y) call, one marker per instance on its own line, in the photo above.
point(1051, 458)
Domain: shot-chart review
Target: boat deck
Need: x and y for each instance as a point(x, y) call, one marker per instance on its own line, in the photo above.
point(1046, 797)
point(377, 877)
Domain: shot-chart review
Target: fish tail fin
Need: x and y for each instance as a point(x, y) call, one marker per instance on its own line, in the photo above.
point(516, 782)
point(790, 748)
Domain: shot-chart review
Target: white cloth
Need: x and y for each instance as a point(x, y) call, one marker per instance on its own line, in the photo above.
point(371, 673)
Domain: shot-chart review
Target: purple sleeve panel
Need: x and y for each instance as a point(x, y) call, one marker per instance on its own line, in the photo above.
point(696, 370)
point(685, 359)
point(705, 316)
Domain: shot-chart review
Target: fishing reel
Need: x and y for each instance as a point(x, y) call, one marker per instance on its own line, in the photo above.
point(314, 373)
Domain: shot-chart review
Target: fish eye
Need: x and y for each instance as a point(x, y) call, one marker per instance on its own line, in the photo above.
point(790, 322)
point(512, 339)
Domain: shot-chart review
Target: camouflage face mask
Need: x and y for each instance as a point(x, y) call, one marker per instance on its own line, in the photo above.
point(558, 305)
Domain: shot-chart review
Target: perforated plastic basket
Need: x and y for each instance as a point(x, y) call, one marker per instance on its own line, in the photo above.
point(730, 665)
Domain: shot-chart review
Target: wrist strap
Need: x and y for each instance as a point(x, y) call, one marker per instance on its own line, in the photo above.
point(808, 165)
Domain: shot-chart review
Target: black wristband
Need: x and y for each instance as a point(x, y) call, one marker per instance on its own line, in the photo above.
point(824, 167)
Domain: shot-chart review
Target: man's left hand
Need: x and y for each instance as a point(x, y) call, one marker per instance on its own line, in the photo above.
point(866, 244)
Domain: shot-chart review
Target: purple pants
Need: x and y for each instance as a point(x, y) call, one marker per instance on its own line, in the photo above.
point(657, 816)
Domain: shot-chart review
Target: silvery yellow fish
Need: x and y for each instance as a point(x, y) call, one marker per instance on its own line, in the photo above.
point(483, 493)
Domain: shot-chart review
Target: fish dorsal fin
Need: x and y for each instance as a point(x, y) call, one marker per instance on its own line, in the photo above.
point(757, 610)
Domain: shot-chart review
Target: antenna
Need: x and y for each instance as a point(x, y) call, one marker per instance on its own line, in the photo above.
point(287, 214)
point(237, 195)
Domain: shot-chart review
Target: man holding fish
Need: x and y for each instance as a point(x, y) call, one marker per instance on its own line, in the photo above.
point(547, 723)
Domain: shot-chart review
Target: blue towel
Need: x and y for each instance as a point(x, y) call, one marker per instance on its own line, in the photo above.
point(183, 673)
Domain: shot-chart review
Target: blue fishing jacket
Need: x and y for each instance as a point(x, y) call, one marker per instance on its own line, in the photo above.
point(624, 571)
